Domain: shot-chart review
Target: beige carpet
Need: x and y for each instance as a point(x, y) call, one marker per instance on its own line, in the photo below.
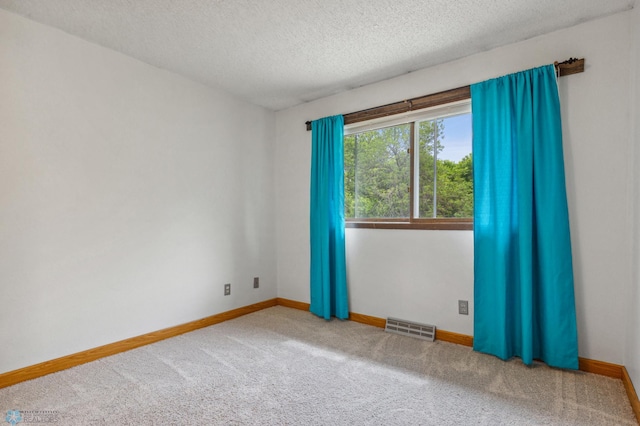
point(281, 366)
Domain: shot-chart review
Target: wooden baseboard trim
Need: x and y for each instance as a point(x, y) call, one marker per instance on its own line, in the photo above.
point(361, 318)
point(457, 338)
point(445, 336)
point(631, 393)
point(292, 304)
point(600, 367)
point(367, 319)
point(62, 363)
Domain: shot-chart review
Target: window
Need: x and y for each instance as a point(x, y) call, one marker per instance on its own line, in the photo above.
point(411, 171)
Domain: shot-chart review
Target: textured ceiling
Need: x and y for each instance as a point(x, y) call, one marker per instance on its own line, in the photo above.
point(280, 53)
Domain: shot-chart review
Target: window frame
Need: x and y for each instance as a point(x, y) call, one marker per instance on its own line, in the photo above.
point(449, 109)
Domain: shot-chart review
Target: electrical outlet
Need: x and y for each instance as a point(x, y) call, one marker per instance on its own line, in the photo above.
point(463, 307)
point(227, 289)
point(256, 282)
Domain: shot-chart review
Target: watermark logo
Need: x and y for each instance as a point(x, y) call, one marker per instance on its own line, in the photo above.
point(13, 417)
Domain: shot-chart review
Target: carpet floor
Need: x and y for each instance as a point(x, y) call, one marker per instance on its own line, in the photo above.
point(281, 366)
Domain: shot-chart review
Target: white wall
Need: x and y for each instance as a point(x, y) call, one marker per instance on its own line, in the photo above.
point(128, 197)
point(420, 275)
point(632, 360)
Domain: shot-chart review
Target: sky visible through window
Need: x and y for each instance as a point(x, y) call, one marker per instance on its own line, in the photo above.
point(457, 140)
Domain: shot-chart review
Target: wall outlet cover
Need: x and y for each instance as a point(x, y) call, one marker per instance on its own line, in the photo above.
point(463, 307)
point(227, 289)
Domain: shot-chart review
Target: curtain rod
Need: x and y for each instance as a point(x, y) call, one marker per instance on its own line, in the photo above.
point(568, 67)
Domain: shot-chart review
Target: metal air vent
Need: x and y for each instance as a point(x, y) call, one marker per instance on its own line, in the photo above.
point(413, 329)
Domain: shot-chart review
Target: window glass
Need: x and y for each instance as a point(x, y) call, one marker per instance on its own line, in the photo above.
point(445, 170)
point(416, 170)
point(377, 173)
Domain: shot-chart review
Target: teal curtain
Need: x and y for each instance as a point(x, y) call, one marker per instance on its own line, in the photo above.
point(524, 295)
point(328, 265)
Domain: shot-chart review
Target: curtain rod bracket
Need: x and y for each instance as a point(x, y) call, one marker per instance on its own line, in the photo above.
point(568, 61)
point(570, 66)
